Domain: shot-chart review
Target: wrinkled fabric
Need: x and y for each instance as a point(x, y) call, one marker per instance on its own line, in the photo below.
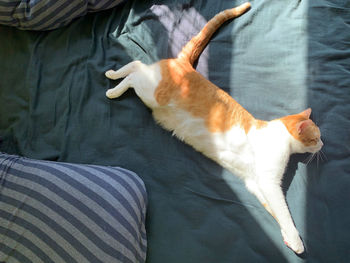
point(277, 59)
point(48, 14)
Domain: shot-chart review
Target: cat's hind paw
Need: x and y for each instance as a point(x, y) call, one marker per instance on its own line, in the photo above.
point(120, 88)
point(294, 242)
point(114, 93)
point(111, 74)
point(124, 71)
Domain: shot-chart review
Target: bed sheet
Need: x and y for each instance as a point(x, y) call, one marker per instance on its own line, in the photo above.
point(279, 58)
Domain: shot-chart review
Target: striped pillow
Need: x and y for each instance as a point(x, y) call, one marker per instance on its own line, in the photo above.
point(61, 212)
point(48, 14)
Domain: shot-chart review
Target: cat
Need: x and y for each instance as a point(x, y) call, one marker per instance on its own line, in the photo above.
point(211, 121)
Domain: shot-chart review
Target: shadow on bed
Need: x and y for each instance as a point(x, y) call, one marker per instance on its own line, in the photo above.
point(328, 63)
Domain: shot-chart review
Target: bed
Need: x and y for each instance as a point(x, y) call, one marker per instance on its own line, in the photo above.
point(279, 58)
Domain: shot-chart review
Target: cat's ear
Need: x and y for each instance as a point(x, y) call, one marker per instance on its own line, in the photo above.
point(306, 113)
point(302, 125)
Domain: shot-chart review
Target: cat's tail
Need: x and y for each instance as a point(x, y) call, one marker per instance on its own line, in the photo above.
point(194, 48)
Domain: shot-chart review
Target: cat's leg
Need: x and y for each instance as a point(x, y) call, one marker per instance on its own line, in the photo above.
point(253, 187)
point(120, 88)
point(143, 78)
point(124, 71)
point(275, 199)
point(128, 71)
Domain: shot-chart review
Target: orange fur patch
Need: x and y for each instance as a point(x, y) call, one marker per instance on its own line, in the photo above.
point(194, 48)
point(183, 85)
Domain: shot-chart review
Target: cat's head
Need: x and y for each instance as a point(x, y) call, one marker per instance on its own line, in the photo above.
point(305, 132)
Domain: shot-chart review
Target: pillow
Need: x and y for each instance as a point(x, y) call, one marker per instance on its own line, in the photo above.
point(62, 212)
point(48, 14)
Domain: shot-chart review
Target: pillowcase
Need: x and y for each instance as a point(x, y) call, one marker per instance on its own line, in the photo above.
point(48, 14)
point(63, 212)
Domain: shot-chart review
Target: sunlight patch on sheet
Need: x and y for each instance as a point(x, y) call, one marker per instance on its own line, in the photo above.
point(181, 26)
point(269, 77)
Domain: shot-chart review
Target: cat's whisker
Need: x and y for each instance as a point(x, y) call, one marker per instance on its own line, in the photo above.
point(323, 155)
point(309, 158)
point(320, 156)
point(315, 159)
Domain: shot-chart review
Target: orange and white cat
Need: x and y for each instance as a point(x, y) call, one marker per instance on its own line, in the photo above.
point(211, 121)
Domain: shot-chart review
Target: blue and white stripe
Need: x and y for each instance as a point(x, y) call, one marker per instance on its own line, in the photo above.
point(60, 212)
point(48, 14)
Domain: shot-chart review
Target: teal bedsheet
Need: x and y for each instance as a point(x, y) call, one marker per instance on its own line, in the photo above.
point(279, 58)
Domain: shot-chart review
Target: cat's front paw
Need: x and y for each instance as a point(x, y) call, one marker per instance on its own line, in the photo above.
point(111, 74)
point(294, 242)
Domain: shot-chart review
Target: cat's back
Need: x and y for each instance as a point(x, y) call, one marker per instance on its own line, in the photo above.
point(183, 88)
point(180, 82)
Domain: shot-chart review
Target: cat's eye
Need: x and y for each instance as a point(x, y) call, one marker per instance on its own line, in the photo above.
point(316, 140)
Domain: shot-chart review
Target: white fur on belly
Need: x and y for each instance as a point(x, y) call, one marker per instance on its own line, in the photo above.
point(230, 149)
